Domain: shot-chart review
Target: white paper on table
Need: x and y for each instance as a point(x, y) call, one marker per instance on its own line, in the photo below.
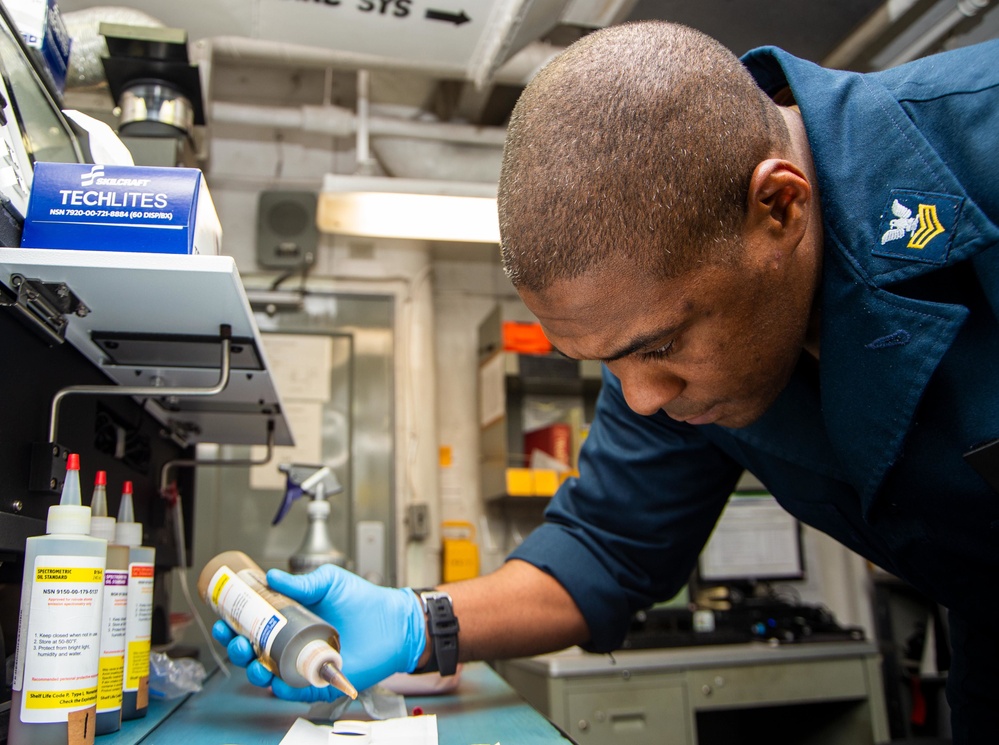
point(419, 730)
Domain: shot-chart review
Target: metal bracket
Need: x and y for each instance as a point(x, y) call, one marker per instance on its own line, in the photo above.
point(194, 462)
point(45, 306)
point(225, 366)
point(48, 467)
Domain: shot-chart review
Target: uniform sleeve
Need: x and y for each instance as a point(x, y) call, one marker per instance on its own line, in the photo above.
point(628, 531)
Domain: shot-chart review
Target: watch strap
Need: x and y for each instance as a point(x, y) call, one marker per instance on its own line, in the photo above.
point(443, 627)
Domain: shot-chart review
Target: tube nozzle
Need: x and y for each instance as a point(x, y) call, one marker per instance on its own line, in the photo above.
point(332, 675)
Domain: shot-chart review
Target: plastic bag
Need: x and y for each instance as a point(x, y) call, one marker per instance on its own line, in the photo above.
point(378, 702)
point(172, 678)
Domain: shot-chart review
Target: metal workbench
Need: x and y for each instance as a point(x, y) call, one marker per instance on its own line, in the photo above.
point(484, 709)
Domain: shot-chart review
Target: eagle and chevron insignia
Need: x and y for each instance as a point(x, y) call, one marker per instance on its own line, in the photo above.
point(921, 230)
point(918, 226)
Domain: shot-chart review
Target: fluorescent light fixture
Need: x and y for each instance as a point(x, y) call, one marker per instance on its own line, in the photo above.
point(374, 206)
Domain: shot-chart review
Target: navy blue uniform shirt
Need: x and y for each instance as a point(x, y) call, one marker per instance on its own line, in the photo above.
point(865, 444)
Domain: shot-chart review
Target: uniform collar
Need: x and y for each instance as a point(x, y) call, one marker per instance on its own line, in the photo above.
point(879, 349)
point(869, 154)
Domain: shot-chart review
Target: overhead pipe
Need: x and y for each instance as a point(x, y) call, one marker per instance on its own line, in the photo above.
point(931, 38)
point(521, 68)
point(518, 70)
point(857, 44)
point(365, 163)
point(262, 50)
point(340, 122)
point(869, 39)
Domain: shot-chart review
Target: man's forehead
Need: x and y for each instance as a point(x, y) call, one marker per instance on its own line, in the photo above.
point(597, 320)
point(608, 293)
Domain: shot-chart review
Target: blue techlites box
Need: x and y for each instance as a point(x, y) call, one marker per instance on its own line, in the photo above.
point(121, 208)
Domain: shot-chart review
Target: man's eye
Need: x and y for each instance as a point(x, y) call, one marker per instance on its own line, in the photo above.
point(658, 354)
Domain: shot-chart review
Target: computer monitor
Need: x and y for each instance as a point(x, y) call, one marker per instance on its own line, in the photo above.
point(755, 540)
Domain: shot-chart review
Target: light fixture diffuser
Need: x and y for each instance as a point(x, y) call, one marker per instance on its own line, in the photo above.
point(374, 206)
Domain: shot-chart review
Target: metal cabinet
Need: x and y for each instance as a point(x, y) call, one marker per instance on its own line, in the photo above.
point(815, 694)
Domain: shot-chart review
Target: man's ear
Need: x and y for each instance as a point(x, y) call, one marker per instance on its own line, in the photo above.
point(778, 199)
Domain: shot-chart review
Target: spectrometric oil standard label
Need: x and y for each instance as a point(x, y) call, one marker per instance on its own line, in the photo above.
point(243, 609)
point(138, 624)
point(112, 665)
point(62, 641)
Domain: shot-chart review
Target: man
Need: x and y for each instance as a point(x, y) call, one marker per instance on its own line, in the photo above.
point(790, 270)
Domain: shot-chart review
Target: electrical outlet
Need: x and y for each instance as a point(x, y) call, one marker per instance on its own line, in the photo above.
point(417, 522)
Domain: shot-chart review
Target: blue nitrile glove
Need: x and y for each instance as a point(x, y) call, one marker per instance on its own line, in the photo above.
point(382, 630)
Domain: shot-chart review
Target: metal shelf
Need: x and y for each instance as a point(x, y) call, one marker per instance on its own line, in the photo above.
point(152, 320)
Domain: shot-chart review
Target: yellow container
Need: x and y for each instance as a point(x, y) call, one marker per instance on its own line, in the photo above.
point(460, 554)
point(519, 482)
point(546, 482)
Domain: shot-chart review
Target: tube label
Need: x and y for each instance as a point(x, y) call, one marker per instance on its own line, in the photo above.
point(112, 665)
point(138, 624)
point(62, 639)
point(239, 605)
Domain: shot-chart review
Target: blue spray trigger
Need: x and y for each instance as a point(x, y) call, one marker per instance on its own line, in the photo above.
point(292, 491)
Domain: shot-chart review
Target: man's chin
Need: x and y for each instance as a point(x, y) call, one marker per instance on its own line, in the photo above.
point(729, 419)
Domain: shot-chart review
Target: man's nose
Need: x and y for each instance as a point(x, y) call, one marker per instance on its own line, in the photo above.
point(646, 391)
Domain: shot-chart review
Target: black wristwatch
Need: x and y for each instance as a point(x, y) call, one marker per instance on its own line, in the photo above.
point(443, 626)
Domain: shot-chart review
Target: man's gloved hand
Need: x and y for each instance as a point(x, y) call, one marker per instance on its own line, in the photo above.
point(382, 630)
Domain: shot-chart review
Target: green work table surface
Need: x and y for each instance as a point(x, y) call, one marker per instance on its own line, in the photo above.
point(483, 709)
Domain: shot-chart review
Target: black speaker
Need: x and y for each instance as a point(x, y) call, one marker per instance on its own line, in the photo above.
point(287, 235)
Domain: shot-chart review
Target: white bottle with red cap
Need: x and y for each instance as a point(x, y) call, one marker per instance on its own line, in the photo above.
point(112, 663)
point(139, 614)
point(54, 699)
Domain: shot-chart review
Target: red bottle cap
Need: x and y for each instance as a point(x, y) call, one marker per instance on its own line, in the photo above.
point(126, 488)
point(101, 479)
point(73, 462)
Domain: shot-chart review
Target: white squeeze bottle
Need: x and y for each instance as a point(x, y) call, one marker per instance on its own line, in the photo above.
point(139, 618)
point(54, 699)
point(112, 660)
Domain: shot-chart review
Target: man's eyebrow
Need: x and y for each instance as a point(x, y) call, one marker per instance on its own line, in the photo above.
point(635, 345)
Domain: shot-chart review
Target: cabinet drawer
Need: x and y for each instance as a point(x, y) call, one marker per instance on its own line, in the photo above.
point(794, 682)
point(627, 712)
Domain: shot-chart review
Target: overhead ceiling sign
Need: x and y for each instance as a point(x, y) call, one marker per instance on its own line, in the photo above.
point(464, 39)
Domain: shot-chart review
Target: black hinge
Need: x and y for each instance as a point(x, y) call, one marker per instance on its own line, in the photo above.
point(43, 305)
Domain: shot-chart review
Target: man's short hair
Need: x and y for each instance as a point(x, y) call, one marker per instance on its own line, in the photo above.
point(636, 143)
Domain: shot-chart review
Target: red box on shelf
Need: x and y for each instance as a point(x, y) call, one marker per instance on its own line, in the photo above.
point(555, 440)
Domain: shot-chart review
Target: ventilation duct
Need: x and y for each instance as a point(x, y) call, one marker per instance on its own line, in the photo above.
point(467, 40)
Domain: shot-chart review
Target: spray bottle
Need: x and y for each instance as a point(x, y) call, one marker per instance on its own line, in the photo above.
point(112, 661)
point(139, 614)
point(54, 699)
point(319, 482)
point(291, 641)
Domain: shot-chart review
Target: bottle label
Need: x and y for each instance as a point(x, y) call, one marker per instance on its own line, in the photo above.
point(112, 666)
point(138, 624)
point(235, 601)
point(62, 641)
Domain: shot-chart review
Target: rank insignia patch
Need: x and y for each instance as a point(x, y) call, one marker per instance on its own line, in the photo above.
point(918, 226)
